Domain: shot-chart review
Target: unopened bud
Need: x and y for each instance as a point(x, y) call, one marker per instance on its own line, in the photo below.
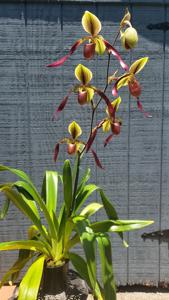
point(89, 50)
point(115, 127)
point(134, 88)
point(71, 149)
point(129, 38)
point(82, 97)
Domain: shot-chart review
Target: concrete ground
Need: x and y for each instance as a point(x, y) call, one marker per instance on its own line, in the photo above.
point(7, 292)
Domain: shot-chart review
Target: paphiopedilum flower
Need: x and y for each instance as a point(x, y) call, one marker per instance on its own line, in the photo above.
point(95, 42)
point(73, 143)
point(129, 79)
point(112, 122)
point(84, 90)
point(129, 37)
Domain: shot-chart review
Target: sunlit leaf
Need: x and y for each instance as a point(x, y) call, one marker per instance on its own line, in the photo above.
point(138, 65)
point(67, 185)
point(4, 209)
point(83, 74)
point(91, 209)
point(50, 191)
point(24, 244)
point(84, 194)
point(91, 23)
point(30, 284)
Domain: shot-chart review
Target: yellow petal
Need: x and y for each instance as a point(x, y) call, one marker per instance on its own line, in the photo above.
point(106, 126)
point(124, 80)
point(90, 93)
point(127, 17)
point(115, 103)
point(83, 74)
point(75, 130)
point(91, 23)
point(129, 38)
point(138, 65)
point(100, 45)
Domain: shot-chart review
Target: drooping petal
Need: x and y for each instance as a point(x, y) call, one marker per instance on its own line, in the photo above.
point(106, 99)
point(91, 139)
point(100, 45)
point(138, 65)
point(56, 152)
point(91, 23)
point(61, 106)
point(111, 49)
point(108, 139)
point(83, 74)
point(97, 161)
point(74, 130)
point(64, 58)
point(115, 104)
point(140, 107)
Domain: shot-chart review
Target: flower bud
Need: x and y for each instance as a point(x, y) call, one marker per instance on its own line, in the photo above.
point(89, 50)
point(134, 88)
point(71, 149)
point(129, 38)
point(115, 127)
point(82, 97)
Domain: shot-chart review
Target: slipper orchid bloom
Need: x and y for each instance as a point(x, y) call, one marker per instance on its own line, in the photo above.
point(85, 91)
point(129, 37)
point(111, 122)
point(96, 43)
point(129, 79)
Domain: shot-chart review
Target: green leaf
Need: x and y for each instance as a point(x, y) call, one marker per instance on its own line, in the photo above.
point(81, 266)
point(4, 209)
point(106, 267)
point(83, 181)
point(50, 191)
point(67, 186)
point(19, 173)
point(111, 213)
point(90, 209)
point(85, 193)
point(24, 244)
point(29, 286)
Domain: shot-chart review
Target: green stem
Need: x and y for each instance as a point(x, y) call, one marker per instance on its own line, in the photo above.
point(76, 181)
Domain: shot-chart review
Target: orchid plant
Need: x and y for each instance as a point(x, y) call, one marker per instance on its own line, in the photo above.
point(50, 244)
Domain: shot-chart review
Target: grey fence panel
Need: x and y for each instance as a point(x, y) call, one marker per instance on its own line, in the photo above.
point(136, 174)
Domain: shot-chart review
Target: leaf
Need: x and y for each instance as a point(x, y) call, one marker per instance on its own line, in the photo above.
point(64, 58)
point(90, 209)
point(83, 181)
point(56, 152)
point(97, 161)
point(74, 130)
point(106, 267)
point(138, 65)
point(30, 284)
point(84, 194)
point(4, 209)
point(112, 50)
point(83, 74)
point(50, 191)
point(24, 244)
point(67, 186)
point(19, 173)
point(80, 266)
point(108, 139)
point(61, 106)
point(91, 23)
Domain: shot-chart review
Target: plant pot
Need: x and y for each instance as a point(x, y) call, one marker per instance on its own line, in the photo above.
point(54, 280)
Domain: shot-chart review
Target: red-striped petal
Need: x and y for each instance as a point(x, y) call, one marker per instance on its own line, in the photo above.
point(111, 49)
point(91, 139)
point(61, 106)
point(106, 99)
point(97, 161)
point(109, 138)
point(64, 58)
point(56, 152)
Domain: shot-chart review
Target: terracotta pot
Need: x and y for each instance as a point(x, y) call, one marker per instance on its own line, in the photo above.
point(54, 280)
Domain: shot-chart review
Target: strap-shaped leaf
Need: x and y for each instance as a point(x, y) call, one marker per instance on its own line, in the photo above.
point(50, 191)
point(29, 287)
point(106, 267)
point(84, 194)
point(83, 181)
point(24, 244)
point(67, 186)
point(4, 209)
point(91, 209)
